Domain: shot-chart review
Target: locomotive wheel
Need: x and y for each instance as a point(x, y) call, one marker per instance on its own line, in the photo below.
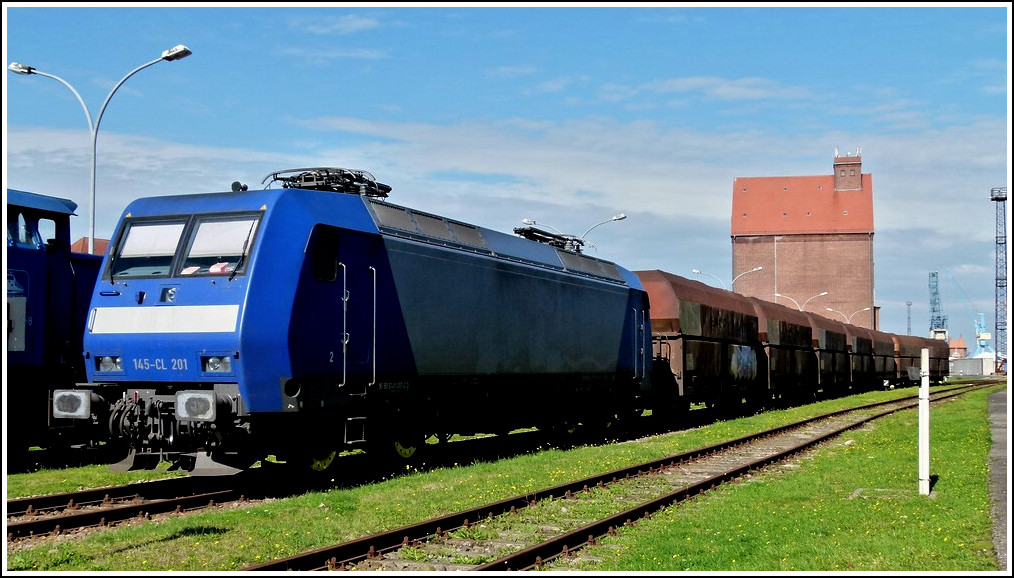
point(604, 428)
point(561, 432)
point(311, 462)
point(322, 462)
point(404, 450)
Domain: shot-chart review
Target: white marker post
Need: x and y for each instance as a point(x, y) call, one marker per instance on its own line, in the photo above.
point(924, 453)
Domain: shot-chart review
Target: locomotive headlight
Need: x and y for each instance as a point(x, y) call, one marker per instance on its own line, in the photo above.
point(216, 364)
point(108, 363)
point(195, 405)
point(72, 404)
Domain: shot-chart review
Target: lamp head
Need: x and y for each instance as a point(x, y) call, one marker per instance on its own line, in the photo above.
point(20, 68)
point(176, 53)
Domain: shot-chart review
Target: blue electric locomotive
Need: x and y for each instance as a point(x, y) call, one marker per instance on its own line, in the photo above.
point(48, 290)
point(317, 317)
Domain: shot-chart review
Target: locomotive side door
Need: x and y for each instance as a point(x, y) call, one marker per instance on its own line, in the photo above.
point(347, 307)
point(359, 310)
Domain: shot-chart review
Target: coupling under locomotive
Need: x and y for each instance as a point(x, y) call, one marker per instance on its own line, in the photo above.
point(313, 318)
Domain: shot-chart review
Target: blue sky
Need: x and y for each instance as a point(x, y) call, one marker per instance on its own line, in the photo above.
point(567, 115)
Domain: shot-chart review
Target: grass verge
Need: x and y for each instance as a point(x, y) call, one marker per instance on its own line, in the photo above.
point(854, 505)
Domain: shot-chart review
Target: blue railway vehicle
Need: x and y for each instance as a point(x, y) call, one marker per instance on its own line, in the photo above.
point(48, 291)
point(315, 317)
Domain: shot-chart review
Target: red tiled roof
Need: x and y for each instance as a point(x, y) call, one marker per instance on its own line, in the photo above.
point(81, 246)
point(800, 205)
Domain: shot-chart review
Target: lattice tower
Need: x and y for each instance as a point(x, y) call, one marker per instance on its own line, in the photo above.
point(938, 321)
point(999, 196)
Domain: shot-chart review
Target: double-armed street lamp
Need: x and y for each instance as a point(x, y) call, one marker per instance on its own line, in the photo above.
point(175, 53)
point(803, 306)
point(848, 318)
point(699, 272)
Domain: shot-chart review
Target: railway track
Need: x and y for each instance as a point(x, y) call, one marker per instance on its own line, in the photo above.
point(96, 508)
point(59, 513)
point(56, 514)
point(535, 529)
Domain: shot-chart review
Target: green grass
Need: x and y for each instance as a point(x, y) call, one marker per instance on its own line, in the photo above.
point(853, 506)
point(72, 479)
point(805, 520)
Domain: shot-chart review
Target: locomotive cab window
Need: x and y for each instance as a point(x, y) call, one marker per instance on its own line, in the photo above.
point(324, 243)
point(23, 232)
point(147, 249)
point(219, 246)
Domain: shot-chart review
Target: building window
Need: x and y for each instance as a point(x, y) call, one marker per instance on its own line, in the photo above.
point(852, 172)
point(843, 172)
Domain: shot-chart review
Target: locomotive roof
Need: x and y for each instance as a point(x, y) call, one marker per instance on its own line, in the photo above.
point(399, 221)
point(419, 225)
point(42, 202)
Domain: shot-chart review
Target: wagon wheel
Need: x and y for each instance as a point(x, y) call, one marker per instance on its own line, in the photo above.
point(604, 427)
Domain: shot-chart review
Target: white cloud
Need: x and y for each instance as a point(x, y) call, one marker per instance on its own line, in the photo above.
point(346, 24)
point(931, 191)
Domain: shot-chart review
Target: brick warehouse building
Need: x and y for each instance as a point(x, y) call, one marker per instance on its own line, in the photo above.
point(810, 234)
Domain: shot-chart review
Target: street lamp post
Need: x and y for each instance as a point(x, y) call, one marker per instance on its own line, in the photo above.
point(175, 53)
point(699, 272)
point(754, 270)
point(618, 217)
point(848, 318)
point(803, 306)
point(573, 242)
